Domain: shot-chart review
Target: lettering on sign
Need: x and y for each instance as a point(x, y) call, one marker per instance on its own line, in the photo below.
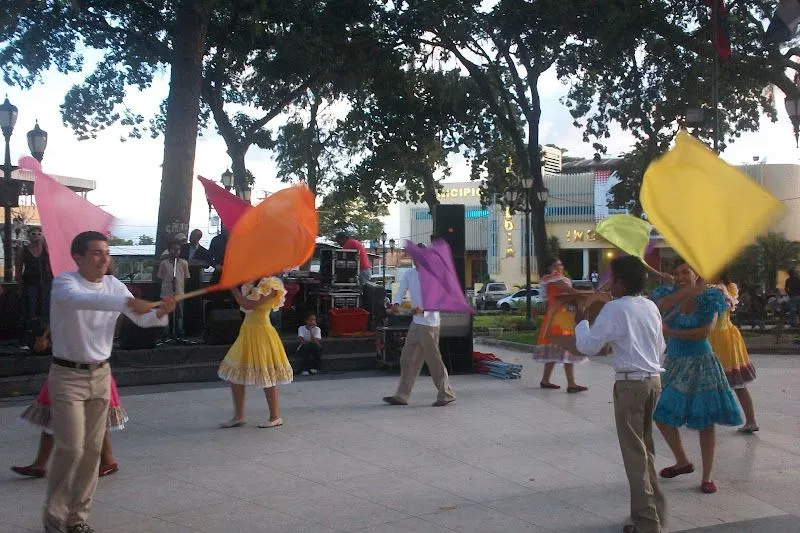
point(460, 192)
point(509, 227)
point(175, 228)
point(577, 235)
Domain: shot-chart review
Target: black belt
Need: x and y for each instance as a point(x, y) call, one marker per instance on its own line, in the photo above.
point(78, 366)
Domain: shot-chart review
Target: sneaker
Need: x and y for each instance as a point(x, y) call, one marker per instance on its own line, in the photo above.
point(81, 527)
point(305, 373)
point(314, 371)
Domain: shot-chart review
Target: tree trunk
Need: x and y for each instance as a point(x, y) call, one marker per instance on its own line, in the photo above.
point(183, 107)
point(237, 151)
point(312, 146)
point(429, 189)
point(534, 158)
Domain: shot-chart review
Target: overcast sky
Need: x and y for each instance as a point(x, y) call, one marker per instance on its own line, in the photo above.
point(128, 173)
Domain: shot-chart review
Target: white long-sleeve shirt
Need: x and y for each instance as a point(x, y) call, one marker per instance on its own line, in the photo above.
point(83, 315)
point(632, 326)
point(410, 283)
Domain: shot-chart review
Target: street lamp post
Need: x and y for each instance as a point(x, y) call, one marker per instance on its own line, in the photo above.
point(227, 179)
point(383, 262)
point(513, 198)
point(10, 188)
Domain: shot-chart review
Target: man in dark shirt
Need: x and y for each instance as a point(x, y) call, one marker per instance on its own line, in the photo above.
point(193, 251)
point(216, 253)
point(792, 288)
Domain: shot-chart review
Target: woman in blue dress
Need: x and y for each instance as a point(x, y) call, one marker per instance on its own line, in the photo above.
point(695, 392)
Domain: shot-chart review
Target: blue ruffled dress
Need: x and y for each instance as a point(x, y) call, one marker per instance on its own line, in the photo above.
point(695, 391)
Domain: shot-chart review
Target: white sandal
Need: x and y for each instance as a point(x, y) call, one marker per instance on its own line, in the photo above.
point(748, 428)
point(232, 423)
point(272, 423)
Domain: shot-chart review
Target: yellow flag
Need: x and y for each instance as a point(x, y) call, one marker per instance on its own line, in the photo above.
point(626, 232)
point(707, 210)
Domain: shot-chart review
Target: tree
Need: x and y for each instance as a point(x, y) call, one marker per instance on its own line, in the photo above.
point(505, 50)
point(146, 240)
point(137, 39)
point(641, 65)
point(404, 126)
point(118, 241)
point(352, 216)
point(778, 253)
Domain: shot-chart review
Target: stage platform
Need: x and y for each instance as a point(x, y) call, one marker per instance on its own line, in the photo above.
point(22, 373)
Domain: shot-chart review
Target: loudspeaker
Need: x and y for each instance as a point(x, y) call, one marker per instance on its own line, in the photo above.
point(9, 192)
point(448, 224)
point(455, 342)
point(222, 326)
point(132, 337)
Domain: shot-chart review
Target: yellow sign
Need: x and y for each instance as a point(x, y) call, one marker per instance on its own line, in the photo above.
point(509, 227)
point(460, 192)
point(578, 235)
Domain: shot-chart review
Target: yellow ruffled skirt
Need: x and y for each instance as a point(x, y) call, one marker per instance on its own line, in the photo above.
point(258, 356)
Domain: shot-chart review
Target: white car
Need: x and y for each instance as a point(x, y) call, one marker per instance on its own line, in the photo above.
point(517, 300)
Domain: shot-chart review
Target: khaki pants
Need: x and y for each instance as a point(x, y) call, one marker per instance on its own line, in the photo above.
point(422, 346)
point(634, 403)
point(79, 416)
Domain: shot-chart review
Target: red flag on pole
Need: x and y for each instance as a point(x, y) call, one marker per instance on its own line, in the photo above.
point(229, 207)
point(719, 28)
point(64, 214)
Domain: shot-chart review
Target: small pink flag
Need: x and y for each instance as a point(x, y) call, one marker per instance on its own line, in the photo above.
point(64, 214)
point(229, 207)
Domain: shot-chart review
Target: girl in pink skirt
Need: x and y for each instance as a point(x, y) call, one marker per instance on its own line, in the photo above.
point(38, 414)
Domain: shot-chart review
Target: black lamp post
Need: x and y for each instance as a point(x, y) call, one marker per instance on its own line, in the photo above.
point(383, 261)
point(792, 104)
point(10, 188)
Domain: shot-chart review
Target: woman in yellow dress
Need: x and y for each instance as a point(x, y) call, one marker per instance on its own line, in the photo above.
point(257, 357)
point(728, 344)
point(558, 321)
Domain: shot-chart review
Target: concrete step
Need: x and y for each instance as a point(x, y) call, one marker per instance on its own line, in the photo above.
point(160, 372)
point(19, 363)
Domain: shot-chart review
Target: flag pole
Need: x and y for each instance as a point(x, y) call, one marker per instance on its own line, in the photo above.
point(715, 30)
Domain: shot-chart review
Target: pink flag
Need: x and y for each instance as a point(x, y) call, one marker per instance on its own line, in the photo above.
point(441, 290)
point(64, 214)
point(229, 207)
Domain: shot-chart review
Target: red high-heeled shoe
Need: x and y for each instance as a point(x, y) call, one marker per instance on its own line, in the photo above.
point(30, 471)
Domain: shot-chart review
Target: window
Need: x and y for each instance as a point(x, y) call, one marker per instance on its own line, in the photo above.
point(497, 287)
point(519, 294)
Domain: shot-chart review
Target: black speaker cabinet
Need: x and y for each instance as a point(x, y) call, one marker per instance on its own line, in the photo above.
point(222, 326)
point(9, 192)
point(448, 224)
point(132, 337)
point(455, 342)
point(338, 268)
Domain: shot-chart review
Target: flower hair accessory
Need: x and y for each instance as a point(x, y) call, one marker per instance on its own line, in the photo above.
point(266, 287)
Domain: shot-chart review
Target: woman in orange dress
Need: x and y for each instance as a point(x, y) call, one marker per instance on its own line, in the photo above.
point(558, 321)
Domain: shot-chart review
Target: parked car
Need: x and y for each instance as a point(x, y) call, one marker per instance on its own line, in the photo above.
point(490, 294)
point(518, 299)
point(582, 284)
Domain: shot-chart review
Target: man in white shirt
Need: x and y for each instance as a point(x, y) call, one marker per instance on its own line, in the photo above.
point(84, 309)
point(631, 325)
point(173, 271)
point(421, 346)
point(310, 349)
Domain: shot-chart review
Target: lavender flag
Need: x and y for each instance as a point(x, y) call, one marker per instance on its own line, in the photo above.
point(438, 282)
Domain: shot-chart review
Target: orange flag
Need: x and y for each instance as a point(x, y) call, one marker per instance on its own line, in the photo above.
point(277, 234)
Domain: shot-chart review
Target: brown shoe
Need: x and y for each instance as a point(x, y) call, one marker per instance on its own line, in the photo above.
point(629, 529)
point(29, 471)
point(391, 400)
point(442, 403)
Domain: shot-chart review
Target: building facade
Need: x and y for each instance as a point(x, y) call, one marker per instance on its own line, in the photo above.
point(495, 245)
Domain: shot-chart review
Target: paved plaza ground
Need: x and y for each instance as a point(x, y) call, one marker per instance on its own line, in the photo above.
point(505, 457)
